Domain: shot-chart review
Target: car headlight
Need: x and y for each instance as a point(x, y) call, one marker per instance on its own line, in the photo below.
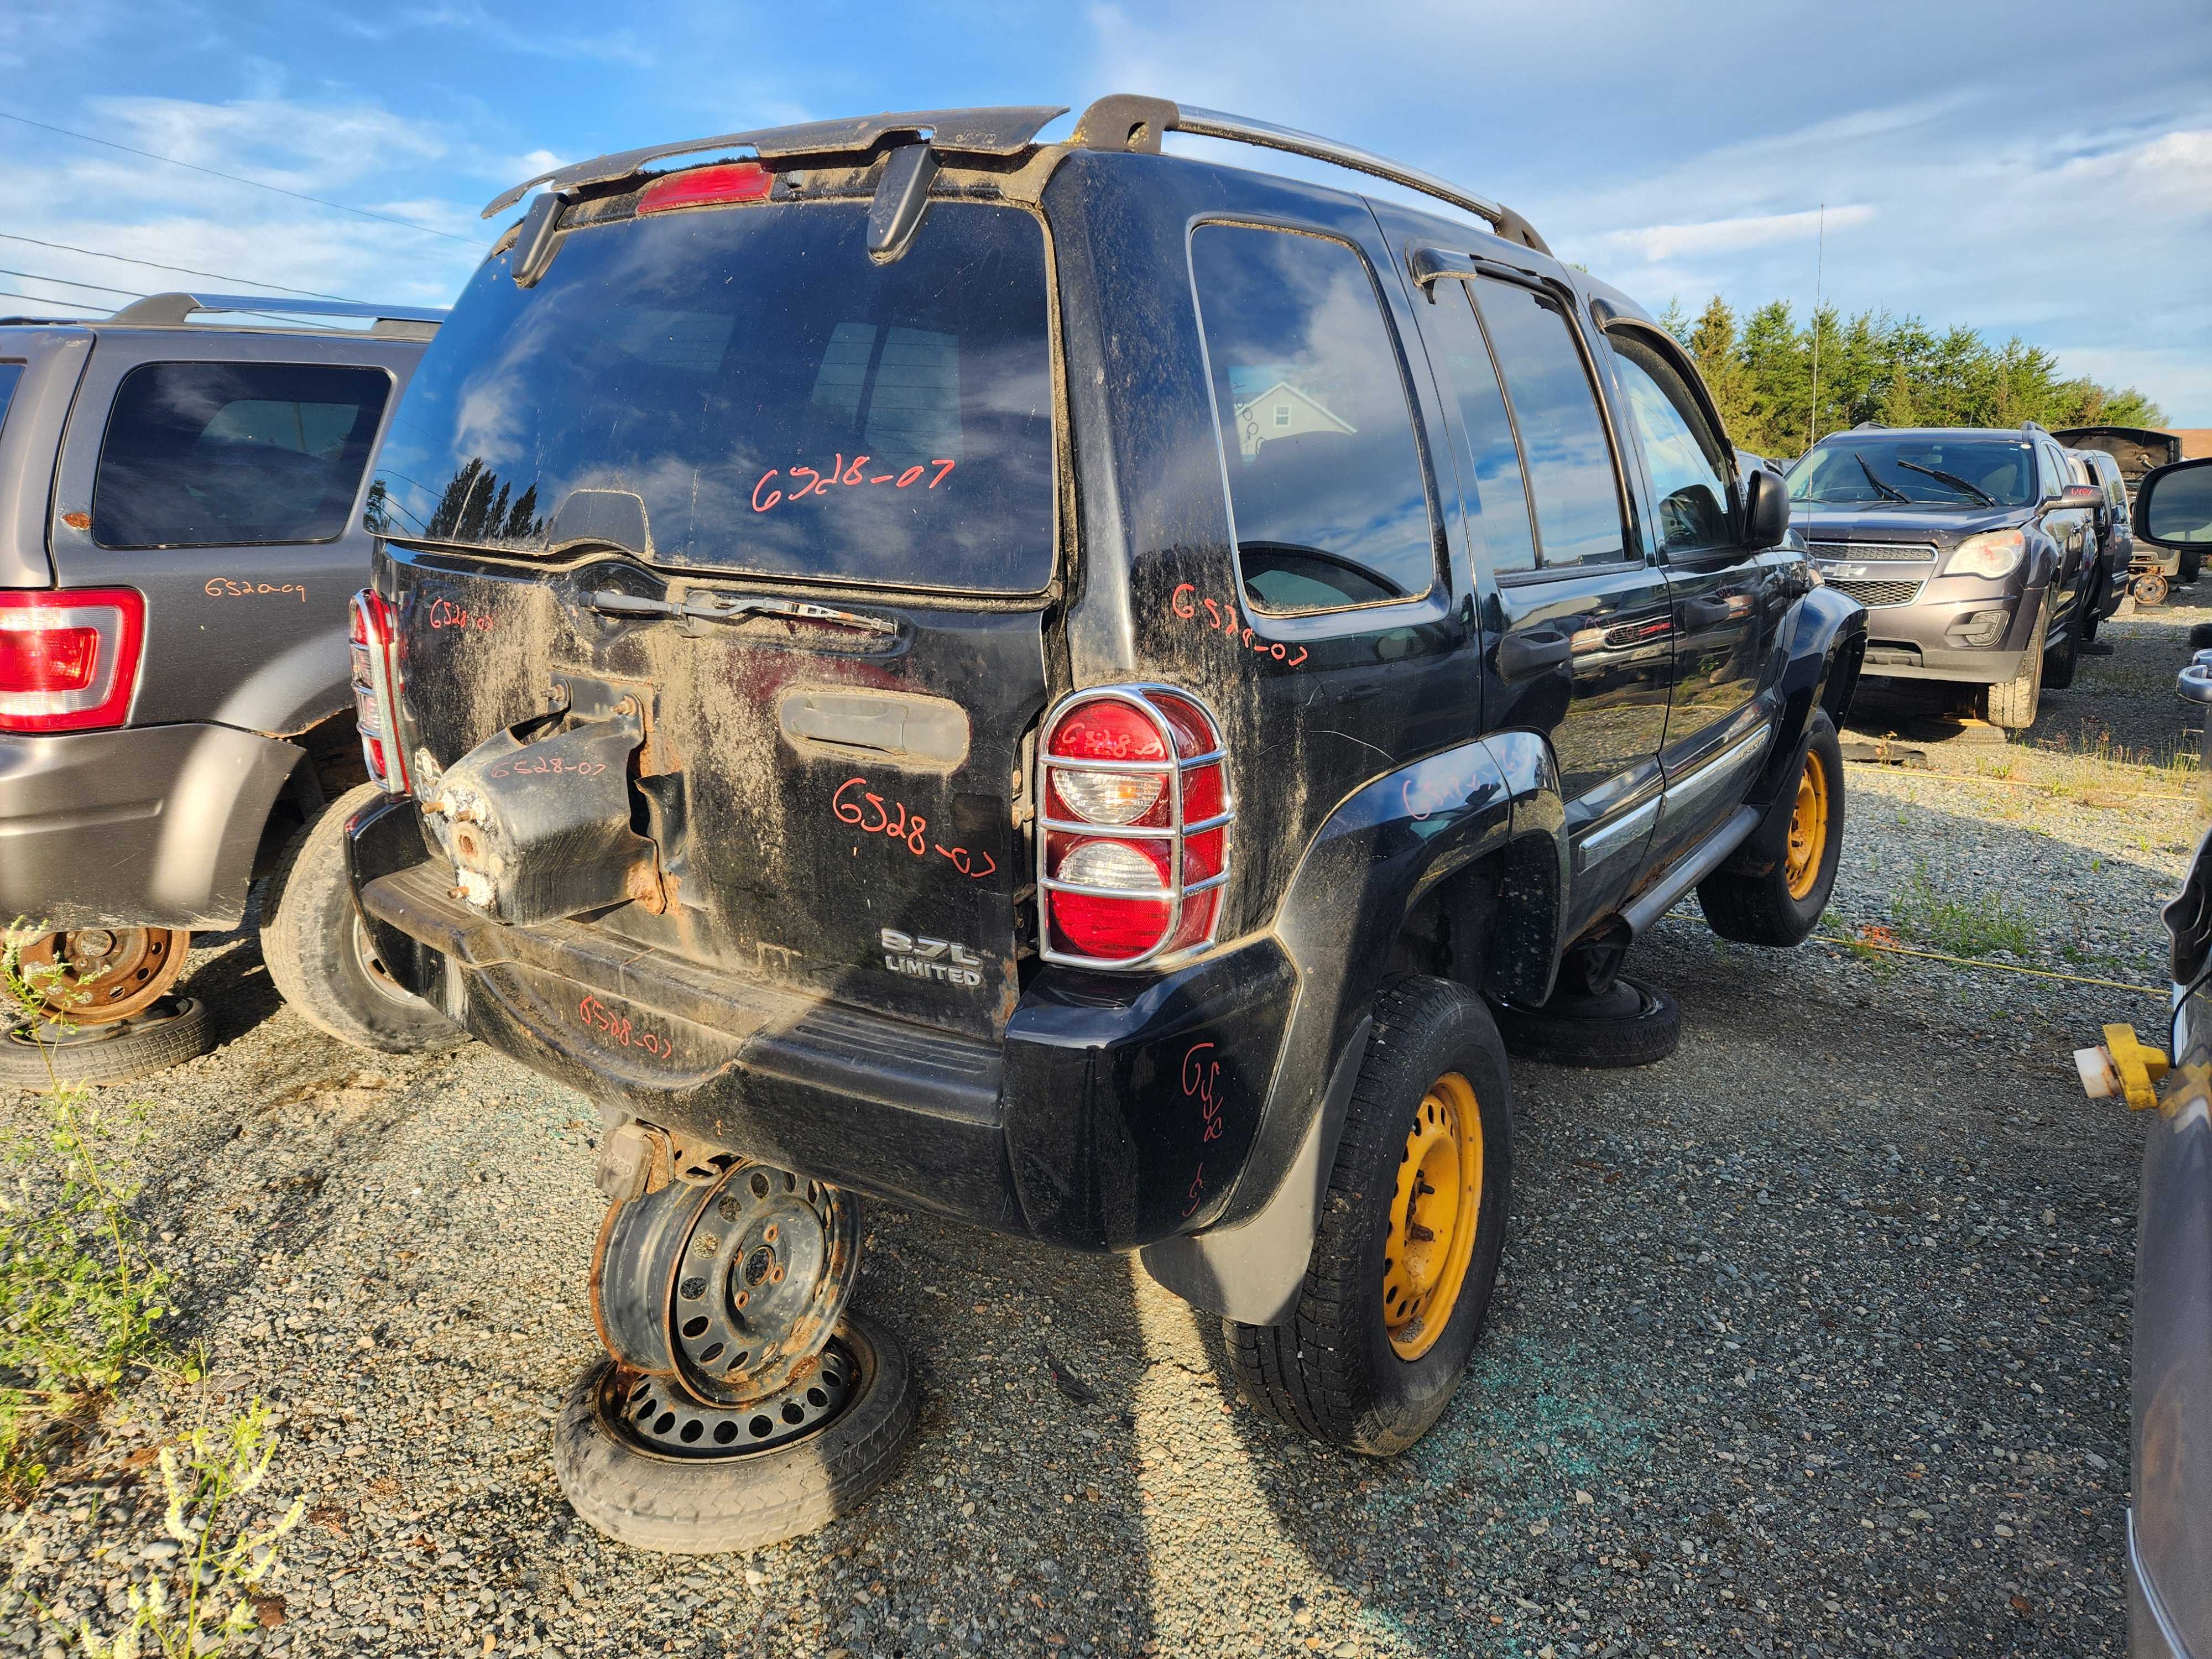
point(1993, 553)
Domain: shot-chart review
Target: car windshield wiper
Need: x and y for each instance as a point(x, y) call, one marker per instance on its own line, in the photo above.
point(1953, 480)
point(735, 608)
point(1889, 490)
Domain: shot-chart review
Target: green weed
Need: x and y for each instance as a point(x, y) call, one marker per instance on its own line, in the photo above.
point(1960, 926)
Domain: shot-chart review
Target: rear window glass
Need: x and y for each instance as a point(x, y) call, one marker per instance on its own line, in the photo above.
point(744, 389)
point(1571, 467)
point(234, 454)
point(1325, 480)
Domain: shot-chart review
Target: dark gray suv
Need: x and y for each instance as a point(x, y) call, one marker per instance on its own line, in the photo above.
point(181, 498)
point(1971, 548)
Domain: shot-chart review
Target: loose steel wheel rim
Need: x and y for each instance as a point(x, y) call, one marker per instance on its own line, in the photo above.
point(1434, 1216)
point(1808, 829)
point(107, 974)
point(659, 1418)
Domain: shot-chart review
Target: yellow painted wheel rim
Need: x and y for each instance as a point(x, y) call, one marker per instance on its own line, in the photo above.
point(1808, 829)
point(1433, 1217)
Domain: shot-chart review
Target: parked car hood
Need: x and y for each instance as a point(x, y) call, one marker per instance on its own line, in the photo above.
point(1944, 527)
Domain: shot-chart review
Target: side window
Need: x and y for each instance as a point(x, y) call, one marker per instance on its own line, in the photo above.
point(1689, 475)
point(1571, 475)
point(234, 454)
point(10, 375)
point(1500, 494)
point(1325, 480)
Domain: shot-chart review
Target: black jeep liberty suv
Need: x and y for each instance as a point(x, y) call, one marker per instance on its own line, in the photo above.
point(1062, 686)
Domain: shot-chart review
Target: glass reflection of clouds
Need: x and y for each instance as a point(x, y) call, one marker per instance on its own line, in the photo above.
point(683, 358)
point(1324, 474)
point(1571, 471)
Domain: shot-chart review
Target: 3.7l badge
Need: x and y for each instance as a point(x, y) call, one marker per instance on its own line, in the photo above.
point(923, 957)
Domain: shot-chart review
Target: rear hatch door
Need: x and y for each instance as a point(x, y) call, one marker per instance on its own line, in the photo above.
point(791, 512)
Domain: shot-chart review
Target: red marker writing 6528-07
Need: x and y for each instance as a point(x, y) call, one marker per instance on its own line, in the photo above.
point(817, 483)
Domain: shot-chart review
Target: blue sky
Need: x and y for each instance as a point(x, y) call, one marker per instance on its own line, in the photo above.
point(2029, 168)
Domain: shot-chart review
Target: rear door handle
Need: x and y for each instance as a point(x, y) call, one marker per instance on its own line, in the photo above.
point(1705, 613)
point(1523, 655)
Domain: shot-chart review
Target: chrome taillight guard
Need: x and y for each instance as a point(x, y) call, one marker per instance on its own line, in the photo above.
point(1174, 832)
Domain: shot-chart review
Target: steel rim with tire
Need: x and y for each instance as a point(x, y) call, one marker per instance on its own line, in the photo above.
point(106, 974)
point(1434, 1217)
point(1808, 830)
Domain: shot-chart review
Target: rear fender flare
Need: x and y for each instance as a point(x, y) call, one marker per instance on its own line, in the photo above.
point(1377, 854)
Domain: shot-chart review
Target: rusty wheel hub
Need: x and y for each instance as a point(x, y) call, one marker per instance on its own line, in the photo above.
point(668, 1420)
point(720, 1294)
point(106, 974)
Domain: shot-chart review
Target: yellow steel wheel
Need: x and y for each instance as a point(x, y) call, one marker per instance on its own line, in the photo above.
point(1808, 829)
point(1433, 1217)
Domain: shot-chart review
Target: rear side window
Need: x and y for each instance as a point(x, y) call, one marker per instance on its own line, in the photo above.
point(1570, 466)
point(1500, 496)
point(1325, 479)
point(744, 389)
point(10, 375)
point(234, 454)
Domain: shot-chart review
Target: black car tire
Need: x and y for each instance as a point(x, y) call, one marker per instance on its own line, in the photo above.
point(2192, 563)
point(1331, 1371)
point(1633, 1024)
point(1753, 906)
point(709, 1506)
point(318, 952)
point(171, 1032)
point(2013, 705)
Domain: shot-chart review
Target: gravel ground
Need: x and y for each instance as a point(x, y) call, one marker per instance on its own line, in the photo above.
point(1811, 1340)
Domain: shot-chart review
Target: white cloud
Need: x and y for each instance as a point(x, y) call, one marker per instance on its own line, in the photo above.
point(1662, 242)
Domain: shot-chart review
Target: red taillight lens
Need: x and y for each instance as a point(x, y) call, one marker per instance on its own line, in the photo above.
point(69, 657)
point(373, 640)
point(1134, 842)
point(713, 186)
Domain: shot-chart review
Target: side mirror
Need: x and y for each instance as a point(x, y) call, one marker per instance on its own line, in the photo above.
point(2173, 506)
point(1765, 510)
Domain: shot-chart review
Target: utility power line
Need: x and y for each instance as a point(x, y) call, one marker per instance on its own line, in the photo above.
point(102, 287)
point(182, 271)
point(237, 179)
point(10, 293)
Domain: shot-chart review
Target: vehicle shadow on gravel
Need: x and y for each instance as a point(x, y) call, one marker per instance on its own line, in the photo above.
point(1810, 1339)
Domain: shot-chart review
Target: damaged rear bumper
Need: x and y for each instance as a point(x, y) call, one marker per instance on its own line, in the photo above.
point(1094, 1124)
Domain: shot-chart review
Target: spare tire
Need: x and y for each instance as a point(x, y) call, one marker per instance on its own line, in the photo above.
point(708, 1504)
point(1631, 1024)
point(171, 1032)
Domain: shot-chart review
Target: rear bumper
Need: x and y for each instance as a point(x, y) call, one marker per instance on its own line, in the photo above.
point(152, 826)
point(1086, 1126)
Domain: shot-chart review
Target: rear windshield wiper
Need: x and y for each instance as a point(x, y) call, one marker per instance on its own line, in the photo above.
point(1953, 480)
point(735, 608)
point(1889, 490)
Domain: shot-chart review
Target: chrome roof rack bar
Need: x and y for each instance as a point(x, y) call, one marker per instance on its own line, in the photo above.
point(175, 310)
point(1126, 121)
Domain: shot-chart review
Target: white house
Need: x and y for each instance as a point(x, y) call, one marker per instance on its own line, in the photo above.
point(1282, 411)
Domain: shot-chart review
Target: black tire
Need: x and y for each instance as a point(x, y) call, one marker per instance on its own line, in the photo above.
point(2063, 657)
point(2192, 563)
point(2014, 705)
point(1633, 1024)
point(709, 1506)
point(1331, 1371)
point(318, 952)
point(1753, 905)
point(171, 1032)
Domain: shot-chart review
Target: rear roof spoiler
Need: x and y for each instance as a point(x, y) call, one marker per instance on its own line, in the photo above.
point(1121, 121)
point(177, 310)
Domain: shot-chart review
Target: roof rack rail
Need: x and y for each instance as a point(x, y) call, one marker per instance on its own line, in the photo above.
point(1004, 132)
point(1130, 122)
point(178, 309)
